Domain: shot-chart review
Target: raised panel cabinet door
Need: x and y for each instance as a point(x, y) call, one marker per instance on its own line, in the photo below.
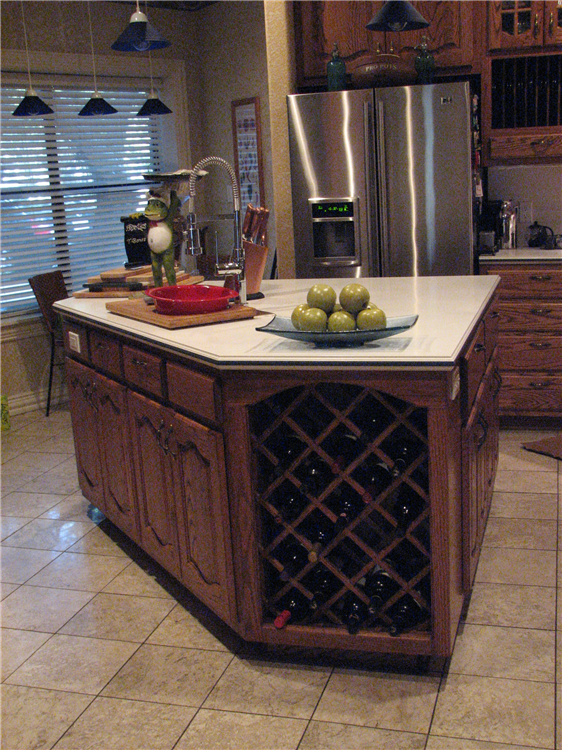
point(515, 25)
point(197, 453)
point(84, 410)
point(154, 482)
point(473, 439)
point(552, 22)
point(115, 449)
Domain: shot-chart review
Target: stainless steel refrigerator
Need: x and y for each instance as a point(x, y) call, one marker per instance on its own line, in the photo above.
point(382, 181)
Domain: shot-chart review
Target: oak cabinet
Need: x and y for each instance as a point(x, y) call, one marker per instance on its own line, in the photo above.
point(523, 24)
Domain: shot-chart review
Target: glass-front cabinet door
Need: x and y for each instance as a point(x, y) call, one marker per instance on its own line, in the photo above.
point(553, 22)
point(517, 24)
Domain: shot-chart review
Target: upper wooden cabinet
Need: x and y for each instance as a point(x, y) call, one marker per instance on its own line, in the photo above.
point(319, 25)
point(524, 24)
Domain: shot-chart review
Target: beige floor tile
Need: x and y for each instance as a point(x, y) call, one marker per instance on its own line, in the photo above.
point(113, 724)
point(518, 653)
point(62, 480)
point(525, 567)
point(17, 646)
point(226, 730)
point(513, 457)
point(268, 688)
point(97, 542)
point(10, 524)
point(522, 436)
point(454, 743)
point(18, 564)
point(525, 481)
point(513, 606)
point(387, 701)
point(42, 609)
point(73, 508)
point(520, 712)
point(34, 464)
point(137, 582)
point(28, 504)
point(80, 572)
point(178, 676)
point(182, 629)
point(524, 505)
point(81, 665)
point(7, 588)
point(48, 533)
point(522, 533)
point(119, 617)
point(35, 719)
point(59, 443)
point(323, 735)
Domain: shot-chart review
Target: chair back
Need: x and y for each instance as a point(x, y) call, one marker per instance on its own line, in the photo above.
point(49, 288)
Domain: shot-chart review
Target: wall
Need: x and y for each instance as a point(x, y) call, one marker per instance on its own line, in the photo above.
point(538, 189)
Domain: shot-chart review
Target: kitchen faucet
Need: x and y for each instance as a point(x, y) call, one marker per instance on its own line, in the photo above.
point(235, 266)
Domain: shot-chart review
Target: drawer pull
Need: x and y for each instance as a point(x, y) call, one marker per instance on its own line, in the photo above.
point(495, 314)
point(540, 277)
point(540, 344)
point(479, 348)
point(540, 385)
point(139, 362)
point(484, 425)
point(498, 380)
point(540, 311)
point(551, 24)
point(101, 345)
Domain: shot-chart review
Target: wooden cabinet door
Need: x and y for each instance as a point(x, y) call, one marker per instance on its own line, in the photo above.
point(197, 455)
point(154, 481)
point(552, 22)
point(515, 25)
point(84, 409)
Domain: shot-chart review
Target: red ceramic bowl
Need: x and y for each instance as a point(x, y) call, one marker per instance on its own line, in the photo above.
point(189, 300)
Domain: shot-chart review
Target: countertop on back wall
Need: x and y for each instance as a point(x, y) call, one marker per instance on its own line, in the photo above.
point(523, 255)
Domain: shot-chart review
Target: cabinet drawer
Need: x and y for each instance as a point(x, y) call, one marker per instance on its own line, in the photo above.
point(530, 316)
point(143, 370)
point(540, 283)
point(105, 353)
point(474, 366)
point(530, 352)
point(491, 327)
point(193, 391)
point(531, 394)
point(525, 146)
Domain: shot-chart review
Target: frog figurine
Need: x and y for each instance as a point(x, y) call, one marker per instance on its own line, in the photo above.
point(161, 210)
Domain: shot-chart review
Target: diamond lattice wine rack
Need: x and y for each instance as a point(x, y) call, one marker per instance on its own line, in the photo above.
point(342, 482)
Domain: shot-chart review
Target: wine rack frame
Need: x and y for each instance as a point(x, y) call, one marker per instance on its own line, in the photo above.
point(252, 493)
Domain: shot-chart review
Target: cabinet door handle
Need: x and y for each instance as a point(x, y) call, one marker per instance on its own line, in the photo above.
point(166, 446)
point(495, 314)
point(540, 385)
point(139, 362)
point(498, 379)
point(479, 348)
point(540, 277)
point(101, 345)
point(540, 311)
point(484, 425)
point(551, 24)
point(536, 26)
point(540, 344)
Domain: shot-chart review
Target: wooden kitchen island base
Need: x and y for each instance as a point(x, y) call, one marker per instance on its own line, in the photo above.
point(349, 489)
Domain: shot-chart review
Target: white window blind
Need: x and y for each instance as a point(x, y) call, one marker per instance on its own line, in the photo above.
point(66, 181)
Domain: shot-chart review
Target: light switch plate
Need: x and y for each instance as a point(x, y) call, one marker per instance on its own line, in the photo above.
point(74, 342)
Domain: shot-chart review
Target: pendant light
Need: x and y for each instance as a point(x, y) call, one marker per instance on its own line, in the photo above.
point(97, 105)
point(153, 105)
point(139, 36)
point(31, 105)
point(397, 15)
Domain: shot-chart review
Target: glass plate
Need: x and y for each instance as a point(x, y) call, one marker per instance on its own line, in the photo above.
point(283, 327)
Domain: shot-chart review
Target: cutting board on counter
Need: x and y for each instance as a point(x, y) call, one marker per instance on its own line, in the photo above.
point(139, 310)
point(115, 292)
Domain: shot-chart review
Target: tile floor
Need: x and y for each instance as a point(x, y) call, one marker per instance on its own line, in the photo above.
point(102, 650)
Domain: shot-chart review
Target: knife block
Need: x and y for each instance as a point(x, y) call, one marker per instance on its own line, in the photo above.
point(256, 257)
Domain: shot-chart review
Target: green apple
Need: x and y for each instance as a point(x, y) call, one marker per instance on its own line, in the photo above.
point(314, 319)
point(297, 314)
point(321, 296)
point(371, 319)
point(354, 297)
point(341, 321)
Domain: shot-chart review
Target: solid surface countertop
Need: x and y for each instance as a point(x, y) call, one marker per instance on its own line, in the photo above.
point(523, 255)
point(448, 307)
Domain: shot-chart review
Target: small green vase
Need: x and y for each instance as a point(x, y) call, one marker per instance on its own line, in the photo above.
point(335, 70)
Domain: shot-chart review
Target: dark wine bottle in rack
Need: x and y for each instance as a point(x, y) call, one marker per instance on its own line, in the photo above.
point(379, 586)
point(406, 508)
point(354, 612)
point(319, 531)
point(322, 585)
point(405, 614)
point(288, 502)
point(294, 607)
point(346, 504)
point(315, 475)
point(374, 475)
point(372, 418)
point(402, 449)
point(292, 556)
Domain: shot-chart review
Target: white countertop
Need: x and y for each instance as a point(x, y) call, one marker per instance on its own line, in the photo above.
point(448, 308)
point(522, 255)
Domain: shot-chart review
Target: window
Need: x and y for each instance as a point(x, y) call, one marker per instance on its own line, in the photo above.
point(66, 181)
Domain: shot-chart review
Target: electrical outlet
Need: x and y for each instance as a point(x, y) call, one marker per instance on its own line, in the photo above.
point(74, 342)
point(526, 213)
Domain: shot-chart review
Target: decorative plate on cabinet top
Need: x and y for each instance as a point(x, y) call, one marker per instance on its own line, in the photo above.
point(283, 327)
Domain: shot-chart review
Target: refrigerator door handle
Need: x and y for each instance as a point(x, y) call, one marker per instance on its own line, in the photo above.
point(368, 140)
point(382, 190)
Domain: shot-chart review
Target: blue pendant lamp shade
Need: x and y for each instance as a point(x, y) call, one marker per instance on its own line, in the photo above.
point(31, 105)
point(139, 36)
point(397, 15)
point(153, 106)
point(96, 106)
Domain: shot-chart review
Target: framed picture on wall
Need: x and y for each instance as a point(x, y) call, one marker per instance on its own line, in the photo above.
point(246, 133)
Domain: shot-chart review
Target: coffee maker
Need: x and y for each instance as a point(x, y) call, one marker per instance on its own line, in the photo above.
point(497, 226)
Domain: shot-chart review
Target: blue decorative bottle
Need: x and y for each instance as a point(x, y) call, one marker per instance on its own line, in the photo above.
point(335, 71)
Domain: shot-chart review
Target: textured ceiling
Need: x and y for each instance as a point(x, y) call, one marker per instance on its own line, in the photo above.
point(173, 4)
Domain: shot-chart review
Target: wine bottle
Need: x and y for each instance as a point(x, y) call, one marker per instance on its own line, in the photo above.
point(346, 504)
point(294, 607)
point(405, 615)
point(372, 418)
point(347, 447)
point(293, 557)
point(320, 531)
point(322, 585)
point(402, 450)
point(316, 475)
point(375, 476)
point(354, 612)
point(286, 449)
point(406, 508)
point(379, 586)
point(289, 502)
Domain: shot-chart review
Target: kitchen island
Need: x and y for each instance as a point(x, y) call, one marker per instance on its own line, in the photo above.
point(270, 476)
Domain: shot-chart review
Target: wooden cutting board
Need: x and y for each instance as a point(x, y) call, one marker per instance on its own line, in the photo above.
point(142, 275)
point(139, 310)
point(127, 292)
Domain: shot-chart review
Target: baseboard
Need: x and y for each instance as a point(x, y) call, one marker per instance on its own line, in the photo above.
point(22, 403)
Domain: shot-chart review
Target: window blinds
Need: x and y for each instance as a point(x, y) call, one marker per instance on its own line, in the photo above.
point(66, 181)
